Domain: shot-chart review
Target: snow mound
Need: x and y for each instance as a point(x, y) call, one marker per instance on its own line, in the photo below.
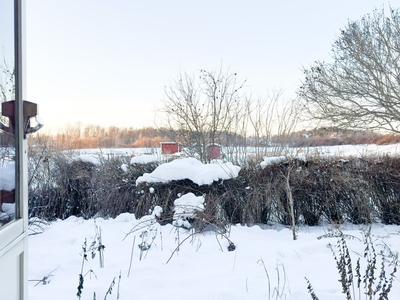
point(88, 158)
point(192, 169)
point(185, 209)
point(124, 168)
point(271, 160)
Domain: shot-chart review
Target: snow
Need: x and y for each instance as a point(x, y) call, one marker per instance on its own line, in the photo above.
point(116, 151)
point(8, 208)
point(143, 159)
point(201, 269)
point(124, 168)
point(7, 183)
point(88, 158)
point(269, 160)
point(349, 150)
point(148, 261)
point(7, 177)
point(185, 208)
point(191, 168)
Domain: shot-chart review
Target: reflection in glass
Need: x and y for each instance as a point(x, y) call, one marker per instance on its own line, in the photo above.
point(7, 93)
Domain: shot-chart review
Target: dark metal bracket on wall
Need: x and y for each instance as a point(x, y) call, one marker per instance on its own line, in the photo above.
point(29, 111)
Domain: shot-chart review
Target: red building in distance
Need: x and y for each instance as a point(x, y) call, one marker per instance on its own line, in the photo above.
point(170, 147)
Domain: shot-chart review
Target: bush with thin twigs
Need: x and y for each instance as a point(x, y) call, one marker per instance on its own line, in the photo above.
point(358, 190)
point(147, 229)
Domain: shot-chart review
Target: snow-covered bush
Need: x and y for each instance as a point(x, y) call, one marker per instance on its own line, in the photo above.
point(331, 189)
point(186, 208)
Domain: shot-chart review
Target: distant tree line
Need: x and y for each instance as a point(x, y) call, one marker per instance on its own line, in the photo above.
point(80, 136)
point(91, 136)
point(94, 136)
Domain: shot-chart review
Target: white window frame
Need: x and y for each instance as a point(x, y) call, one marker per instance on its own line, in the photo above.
point(13, 236)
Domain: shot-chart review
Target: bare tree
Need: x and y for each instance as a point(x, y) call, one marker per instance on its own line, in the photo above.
point(361, 88)
point(7, 93)
point(7, 86)
point(201, 111)
point(212, 108)
point(272, 116)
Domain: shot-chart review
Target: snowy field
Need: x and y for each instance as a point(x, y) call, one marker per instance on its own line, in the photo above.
point(340, 150)
point(144, 260)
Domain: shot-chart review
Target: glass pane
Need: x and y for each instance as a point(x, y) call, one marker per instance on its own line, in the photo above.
point(7, 93)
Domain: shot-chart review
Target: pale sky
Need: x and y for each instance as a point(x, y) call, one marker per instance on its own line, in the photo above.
point(106, 62)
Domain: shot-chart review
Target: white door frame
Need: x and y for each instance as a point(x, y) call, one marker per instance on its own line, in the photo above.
point(13, 236)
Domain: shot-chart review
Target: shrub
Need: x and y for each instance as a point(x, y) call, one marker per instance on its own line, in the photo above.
point(357, 190)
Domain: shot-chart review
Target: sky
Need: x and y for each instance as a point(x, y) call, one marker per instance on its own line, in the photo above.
point(108, 62)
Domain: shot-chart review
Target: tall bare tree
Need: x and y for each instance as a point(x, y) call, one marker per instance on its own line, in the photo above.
point(361, 88)
point(203, 108)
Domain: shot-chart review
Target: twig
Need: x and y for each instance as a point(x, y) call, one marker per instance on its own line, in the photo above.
point(119, 281)
point(109, 291)
point(101, 250)
point(130, 263)
point(45, 280)
point(177, 248)
point(220, 247)
point(269, 282)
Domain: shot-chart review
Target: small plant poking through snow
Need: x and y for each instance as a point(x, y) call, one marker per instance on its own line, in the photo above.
point(148, 228)
point(81, 280)
point(148, 237)
point(282, 284)
point(97, 245)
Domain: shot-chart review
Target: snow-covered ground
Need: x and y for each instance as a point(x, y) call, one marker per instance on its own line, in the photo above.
point(340, 150)
point(144, 260)
point(202, 268)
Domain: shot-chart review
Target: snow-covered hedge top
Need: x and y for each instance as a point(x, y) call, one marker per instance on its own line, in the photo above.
point(271, 160)
point(191, 168)
point(143, 159)
point(87, 158)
